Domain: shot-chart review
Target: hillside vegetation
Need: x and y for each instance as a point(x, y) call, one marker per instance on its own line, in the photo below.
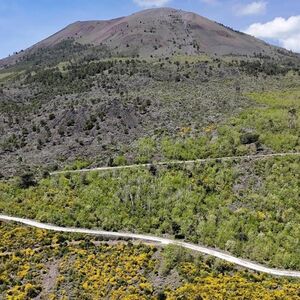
point(248, 208)
point(152, 87)
point(98, 110)
point(35, 263)
point(273, 127)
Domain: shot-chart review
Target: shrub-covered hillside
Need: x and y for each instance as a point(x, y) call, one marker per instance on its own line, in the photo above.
point(249, 207)
point(273, 126)
point(97, 108)
point(35, 264)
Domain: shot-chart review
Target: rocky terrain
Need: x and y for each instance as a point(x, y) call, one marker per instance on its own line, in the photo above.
point(93, 90)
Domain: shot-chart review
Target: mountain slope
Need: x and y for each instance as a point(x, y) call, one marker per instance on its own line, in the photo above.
point(168, 29)
point(157, 32)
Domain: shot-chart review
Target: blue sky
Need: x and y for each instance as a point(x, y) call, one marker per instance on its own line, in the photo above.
point(25, 22)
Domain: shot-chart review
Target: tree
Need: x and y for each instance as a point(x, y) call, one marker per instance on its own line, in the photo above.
point(27, 180)
point(249, 138)
point(153, 170)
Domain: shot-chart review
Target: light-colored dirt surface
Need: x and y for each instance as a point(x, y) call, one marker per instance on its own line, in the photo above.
point(50, 278)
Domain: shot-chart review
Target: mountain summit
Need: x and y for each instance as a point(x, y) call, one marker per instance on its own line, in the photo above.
point(158, 32)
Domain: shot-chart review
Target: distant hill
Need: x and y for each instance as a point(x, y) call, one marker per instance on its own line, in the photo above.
point(157, 32)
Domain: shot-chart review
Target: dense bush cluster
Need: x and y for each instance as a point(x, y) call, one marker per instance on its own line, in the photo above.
point(67, 50)
point(273, 127)
point(249, 208)
point(266, 67)
point(35, 263)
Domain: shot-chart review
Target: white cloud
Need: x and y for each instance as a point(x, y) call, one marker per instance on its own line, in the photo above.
point(151, 3)
point(254, 8)
point(285, 31)
point(210, 1)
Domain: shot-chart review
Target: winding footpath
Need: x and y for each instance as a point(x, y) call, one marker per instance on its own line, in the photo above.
point(178, 162)
point(147, 238)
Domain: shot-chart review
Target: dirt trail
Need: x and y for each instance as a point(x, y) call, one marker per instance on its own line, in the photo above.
point(164, 241)
point(178, 162)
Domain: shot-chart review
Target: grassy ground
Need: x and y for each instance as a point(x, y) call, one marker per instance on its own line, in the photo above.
point(5, 76)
